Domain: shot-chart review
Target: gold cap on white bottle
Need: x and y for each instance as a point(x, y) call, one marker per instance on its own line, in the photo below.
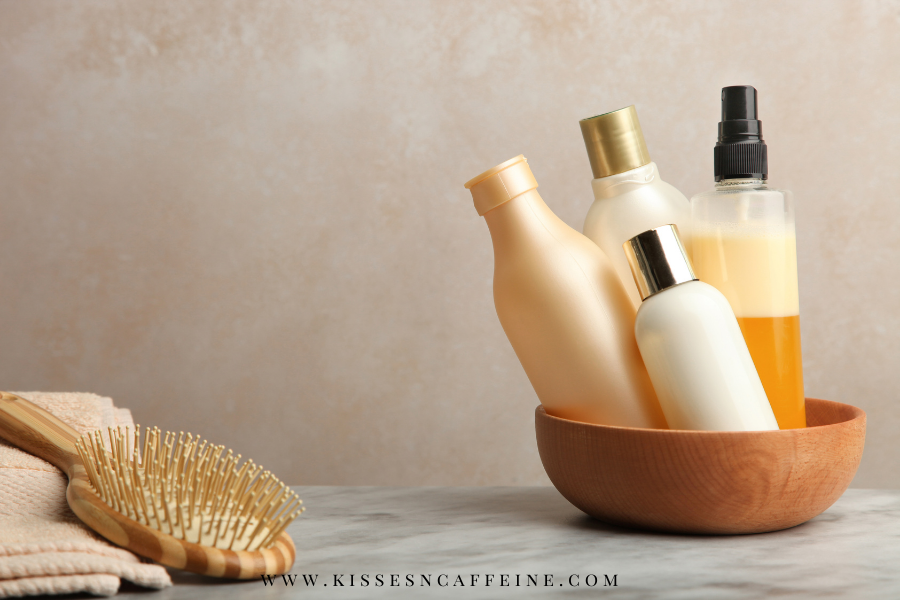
point(614, 142)
point(658, 260)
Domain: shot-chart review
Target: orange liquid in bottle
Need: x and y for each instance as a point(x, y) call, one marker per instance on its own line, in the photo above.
point(758, 275)
point(774, 344)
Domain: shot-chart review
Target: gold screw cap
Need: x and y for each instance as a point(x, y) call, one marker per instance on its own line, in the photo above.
point(658, 261)
point(615, 142)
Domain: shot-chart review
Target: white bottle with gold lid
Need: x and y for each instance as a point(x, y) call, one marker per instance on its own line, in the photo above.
point(629, 195)
point(691, 343)
point(562, 307)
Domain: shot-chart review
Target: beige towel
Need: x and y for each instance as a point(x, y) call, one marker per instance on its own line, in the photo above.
point(44, 548)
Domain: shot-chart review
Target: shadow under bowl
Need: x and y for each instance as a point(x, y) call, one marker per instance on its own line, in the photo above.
point(705, 482)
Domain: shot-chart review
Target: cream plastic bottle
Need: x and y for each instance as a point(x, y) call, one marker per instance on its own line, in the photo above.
point(745, 246)
point(629, 195)
point(562, 307)
point(691, 343)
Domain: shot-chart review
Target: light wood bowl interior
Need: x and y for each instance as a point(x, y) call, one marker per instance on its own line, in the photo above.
point(705, 482)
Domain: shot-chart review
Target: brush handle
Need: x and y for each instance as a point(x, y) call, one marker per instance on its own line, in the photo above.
point(36, 431)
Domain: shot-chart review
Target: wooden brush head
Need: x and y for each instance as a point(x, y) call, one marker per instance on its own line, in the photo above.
point(160, 502)
point(188, 488)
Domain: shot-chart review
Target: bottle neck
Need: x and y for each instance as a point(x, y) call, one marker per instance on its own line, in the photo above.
point(740, 183)
point(620, 183)
point(514, 218)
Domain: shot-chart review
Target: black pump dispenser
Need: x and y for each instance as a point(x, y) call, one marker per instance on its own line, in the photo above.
point(740, 152)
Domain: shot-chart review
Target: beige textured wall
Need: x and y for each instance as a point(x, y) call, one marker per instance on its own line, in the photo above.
point(247, 219)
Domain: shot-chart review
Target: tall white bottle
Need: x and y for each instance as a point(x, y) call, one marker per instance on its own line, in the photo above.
point(691, 343)
point(629, 196)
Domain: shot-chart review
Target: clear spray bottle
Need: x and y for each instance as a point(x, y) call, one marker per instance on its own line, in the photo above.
point(744, 245)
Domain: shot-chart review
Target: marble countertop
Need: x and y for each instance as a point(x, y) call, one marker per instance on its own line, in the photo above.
point(850, 551)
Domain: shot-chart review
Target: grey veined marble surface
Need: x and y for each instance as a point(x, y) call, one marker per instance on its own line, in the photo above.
point(850, 551)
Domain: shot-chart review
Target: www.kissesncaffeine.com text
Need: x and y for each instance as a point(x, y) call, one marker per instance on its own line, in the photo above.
point(363, 580)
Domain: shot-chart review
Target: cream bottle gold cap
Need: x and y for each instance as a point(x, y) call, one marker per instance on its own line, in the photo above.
point(615, 142)
point(658, 260)
point(501, 184)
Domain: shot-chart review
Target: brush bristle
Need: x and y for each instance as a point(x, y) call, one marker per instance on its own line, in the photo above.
point(185, 487)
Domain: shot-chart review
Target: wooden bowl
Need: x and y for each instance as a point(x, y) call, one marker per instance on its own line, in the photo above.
point(707, 482)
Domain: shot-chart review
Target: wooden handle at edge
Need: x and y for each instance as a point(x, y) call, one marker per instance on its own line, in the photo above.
point(36, 431)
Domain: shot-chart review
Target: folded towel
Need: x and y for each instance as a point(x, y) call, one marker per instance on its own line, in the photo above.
point(44, 548)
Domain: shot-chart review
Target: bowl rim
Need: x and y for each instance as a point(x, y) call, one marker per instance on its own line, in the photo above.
point(858, 415)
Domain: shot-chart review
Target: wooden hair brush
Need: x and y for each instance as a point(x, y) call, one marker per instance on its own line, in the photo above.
point(176, 499)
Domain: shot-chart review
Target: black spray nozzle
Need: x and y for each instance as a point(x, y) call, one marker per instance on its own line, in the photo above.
point(739, 102)
point(740, 152)
point(739, 122)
